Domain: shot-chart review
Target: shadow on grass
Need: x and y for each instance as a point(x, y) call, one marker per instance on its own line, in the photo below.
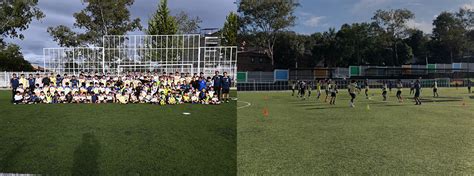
point(85, 156)
point(8, 159)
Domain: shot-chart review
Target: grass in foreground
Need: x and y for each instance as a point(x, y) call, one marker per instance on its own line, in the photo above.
point(281, 134)
point(113, 139)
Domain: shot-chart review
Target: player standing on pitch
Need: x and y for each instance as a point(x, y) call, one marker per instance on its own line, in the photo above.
point(384, 91)
point(318, 88)
point(293, 87)
point(333, 89)
point(417, 87)
point(327, 87)
point(469, 86)
point(226, 83)
point(366, 84)
point(217, 79)
point(399, 91)
point(302, 90)
point(435, 89)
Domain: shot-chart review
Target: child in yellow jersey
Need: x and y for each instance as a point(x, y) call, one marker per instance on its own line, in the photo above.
point(52, 78)
point(123, 99)
point(186, 98)
point(206, 99)
point(171, 99)
point(318, 89)
point(162, 99)
point(49, 98)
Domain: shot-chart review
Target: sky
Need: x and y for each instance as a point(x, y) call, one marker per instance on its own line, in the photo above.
point(312, 15)
point(320, 15)
point(60, 12)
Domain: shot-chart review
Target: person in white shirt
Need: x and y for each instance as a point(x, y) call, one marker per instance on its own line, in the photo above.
point(18, 98)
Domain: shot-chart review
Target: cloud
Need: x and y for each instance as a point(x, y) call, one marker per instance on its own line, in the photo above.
point(469, 6)
point(212, 12)
point(314, 21)
point(364, 5)
point(425, 26)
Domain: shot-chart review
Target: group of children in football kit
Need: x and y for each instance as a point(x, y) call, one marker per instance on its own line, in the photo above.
point(331, 90)
point(135, 87)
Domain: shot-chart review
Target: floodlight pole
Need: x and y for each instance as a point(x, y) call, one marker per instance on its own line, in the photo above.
point(44, 60)
point(199, 54)
point(103, 55)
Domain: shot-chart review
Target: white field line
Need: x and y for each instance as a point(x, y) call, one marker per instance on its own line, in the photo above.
point(248, 104)
point(423, 104)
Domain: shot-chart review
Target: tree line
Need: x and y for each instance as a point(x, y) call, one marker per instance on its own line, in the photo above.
point(98, 18)
point(385, 39)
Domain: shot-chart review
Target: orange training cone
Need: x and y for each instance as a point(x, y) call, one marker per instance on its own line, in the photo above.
point(265, 112)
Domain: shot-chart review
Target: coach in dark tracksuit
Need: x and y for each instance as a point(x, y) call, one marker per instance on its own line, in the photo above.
point(46, 81)
point(14, 82)
point(217, 84)
point(31, 82)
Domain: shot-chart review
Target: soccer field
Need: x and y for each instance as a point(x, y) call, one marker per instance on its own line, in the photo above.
point(281, 134)
point(113, 139)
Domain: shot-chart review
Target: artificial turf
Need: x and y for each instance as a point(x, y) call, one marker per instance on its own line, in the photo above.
point(281, 134)
point(113, 139)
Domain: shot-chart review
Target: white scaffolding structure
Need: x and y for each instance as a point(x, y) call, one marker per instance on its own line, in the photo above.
point(121, 53)
point(73, 60)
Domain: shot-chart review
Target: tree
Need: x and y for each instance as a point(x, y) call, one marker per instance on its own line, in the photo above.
point(15, 16)
point(394, 25)
point(186, 23)
point(11, 59)
point(229, 31)
point(448, 32)
point(162, 23)
point(418, 42)
point(267, 18)
point(99, 18)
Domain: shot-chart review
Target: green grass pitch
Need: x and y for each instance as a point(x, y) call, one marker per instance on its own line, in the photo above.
point(113, 139)
point(281, 134)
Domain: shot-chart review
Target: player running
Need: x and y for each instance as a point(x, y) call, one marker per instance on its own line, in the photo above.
point(435, 89)
point(399, 91)
point(352, 92)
